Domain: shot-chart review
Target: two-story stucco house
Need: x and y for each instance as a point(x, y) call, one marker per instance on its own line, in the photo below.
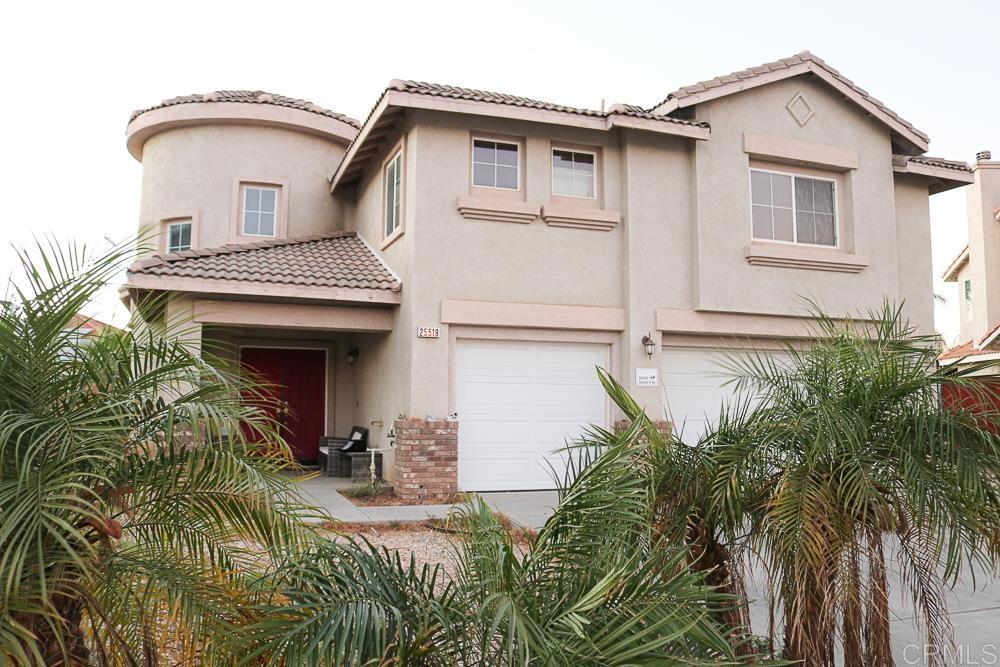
point(976, 270)
point(450, 271)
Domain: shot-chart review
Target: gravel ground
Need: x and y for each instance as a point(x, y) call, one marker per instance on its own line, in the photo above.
point(433, 547)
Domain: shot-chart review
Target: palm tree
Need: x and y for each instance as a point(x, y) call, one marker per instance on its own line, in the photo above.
point(133, 482)
point(834, 466)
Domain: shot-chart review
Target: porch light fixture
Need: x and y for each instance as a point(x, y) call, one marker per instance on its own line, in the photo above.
point(647, 343)
point(352, 355)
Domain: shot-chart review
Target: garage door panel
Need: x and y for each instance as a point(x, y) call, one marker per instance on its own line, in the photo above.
point(698, 382)
point(518, 403)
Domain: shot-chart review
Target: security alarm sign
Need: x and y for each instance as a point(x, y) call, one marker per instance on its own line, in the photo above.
point(647, 377)
point(428, 332)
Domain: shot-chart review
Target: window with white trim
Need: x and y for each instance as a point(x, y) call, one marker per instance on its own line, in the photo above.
point(792, 208)
point(179, 236)
point(495, 164)
point(574, 173)
point(260, 210)
point(392, 190)
point(967, 300)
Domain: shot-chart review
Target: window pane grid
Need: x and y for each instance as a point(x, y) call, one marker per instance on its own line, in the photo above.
point(393, 183)
point(573, 174)
point(790, 208)
point(260, 206)
point(178, 236)
point(495, 164)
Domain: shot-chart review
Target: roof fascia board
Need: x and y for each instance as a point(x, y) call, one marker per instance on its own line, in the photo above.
point(950, 274)
point(359, 140)
point(931, 171)
point(659, 126)
point(247, 288)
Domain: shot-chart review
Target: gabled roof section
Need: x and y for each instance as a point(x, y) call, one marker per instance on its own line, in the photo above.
point(951, 273)
point(339, 266)
point(800, 63)
point(249, 97)
point(402, 94)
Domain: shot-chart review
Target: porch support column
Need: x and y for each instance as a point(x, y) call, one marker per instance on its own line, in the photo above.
point(426, 458)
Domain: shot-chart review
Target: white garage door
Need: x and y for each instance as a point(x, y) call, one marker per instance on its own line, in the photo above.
point(517, 403)
point(695, 382)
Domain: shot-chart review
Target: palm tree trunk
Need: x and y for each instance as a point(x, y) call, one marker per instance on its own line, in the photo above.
point(878, 634)
point(62, 642)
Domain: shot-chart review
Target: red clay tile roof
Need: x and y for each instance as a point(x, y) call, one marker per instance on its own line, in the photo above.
point(341, 260)
point(965, 350)
point(455, 92)
point(249, 97)
point(782, 64)
point(972, 348)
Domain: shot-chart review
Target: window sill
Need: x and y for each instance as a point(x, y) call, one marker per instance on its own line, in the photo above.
point(798, 257)
point(390, 239)
point(580, 218)
point(497, 209)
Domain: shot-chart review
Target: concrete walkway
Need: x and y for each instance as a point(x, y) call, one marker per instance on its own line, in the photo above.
point(525, 508)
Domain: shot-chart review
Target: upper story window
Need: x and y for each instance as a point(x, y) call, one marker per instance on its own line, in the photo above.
point(495, 164)
point(574, 173)
point(793, 209)
point(967, 300)
point(179, 235)
point(392, 191)
point(260, 210)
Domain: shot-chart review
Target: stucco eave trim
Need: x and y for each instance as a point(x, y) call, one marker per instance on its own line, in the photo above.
point(714, 323)
point(797, 151)
point(532, 315)
point(793, 257)
point(249, 288)
point(292, 316)
point(159, 120)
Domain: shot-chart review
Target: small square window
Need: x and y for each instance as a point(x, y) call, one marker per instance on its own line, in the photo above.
point(392, 191)
point(260, 210)
point(495, 164)
point(574, 173)
point(179, 236)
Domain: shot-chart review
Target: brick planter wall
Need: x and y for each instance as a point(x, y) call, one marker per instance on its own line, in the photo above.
point(426, 458)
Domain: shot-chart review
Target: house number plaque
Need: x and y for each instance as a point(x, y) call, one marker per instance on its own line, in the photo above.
point(428, 332)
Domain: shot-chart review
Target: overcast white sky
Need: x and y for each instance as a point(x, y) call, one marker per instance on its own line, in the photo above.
point(71, 73)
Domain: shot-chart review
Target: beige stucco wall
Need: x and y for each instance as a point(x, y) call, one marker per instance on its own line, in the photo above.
point(192, 169)
point(913, 249)
point(983, 269)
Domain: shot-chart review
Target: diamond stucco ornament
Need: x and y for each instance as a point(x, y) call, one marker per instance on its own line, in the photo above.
point(800, 109)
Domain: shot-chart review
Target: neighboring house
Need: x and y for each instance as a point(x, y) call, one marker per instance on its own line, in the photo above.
point(976, 268)
point(449, 272)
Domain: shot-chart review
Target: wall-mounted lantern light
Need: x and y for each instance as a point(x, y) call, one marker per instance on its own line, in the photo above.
point(647, 343)
point(352, 355)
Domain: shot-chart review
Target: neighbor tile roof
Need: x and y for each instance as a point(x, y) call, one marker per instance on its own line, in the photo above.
point(778, 65)
point(340, 260)
point(972, 348)
point(249, 97)
point(455, 92)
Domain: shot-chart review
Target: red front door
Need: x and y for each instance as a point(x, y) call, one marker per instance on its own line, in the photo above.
point(299, 379)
